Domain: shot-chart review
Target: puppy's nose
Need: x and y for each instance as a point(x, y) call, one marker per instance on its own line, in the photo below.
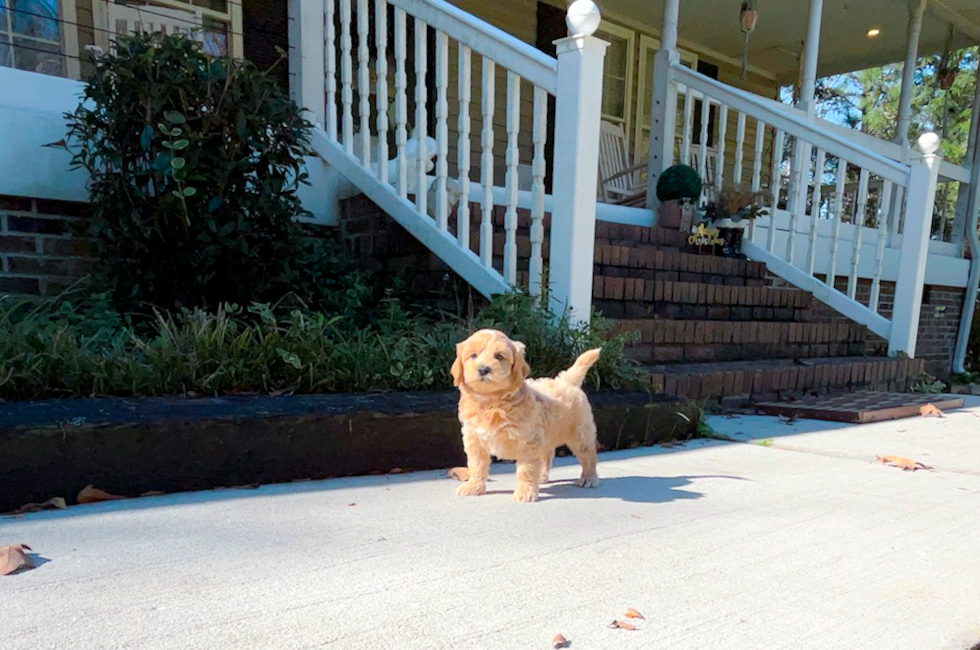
point(484, 370)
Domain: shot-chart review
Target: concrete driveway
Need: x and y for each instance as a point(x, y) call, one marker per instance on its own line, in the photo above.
point(796, 542)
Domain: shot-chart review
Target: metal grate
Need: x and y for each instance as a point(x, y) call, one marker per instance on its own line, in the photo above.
point(860, 406)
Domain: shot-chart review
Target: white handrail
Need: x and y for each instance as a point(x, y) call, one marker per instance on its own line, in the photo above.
point(798, 126)
point(481, 37)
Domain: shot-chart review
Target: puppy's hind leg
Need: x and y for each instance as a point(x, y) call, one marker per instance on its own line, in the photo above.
point(584, 447)
point(478, 464)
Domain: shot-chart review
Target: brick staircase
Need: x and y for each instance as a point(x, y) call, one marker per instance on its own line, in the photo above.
point(717, 328)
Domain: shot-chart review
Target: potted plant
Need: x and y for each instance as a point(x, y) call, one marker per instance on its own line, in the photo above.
point(678, 188)
point(730, 212)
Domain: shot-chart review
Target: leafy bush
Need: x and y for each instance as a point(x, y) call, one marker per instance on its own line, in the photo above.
point(679, 182)
point(973, 347)
point(194, 165)
point(65, 349)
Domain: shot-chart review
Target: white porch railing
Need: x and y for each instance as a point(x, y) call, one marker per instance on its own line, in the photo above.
point(386, 137)
point(833, 204)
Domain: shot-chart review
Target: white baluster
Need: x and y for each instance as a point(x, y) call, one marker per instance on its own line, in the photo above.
point(463, 148)
point(739, 149)
point(703, 158)
point(381, 72)
point(838, 217)
point(720, 157)
point(539, 136)
point(330, 65)
point(858, 221)
point(774, 182)
point(510, 216)
point(811, 252)
point(442, 130)
point(486, 165)
point(421, 114)
point(688, 127)
point(886, 207)
point(798, 192)
point(364, 81)
point(760, 133)
point(760, 137)
point(401, 102)
point(346, 76)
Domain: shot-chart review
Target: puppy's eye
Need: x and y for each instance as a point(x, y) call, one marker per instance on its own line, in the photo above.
point(498, 357)
point(473, 356)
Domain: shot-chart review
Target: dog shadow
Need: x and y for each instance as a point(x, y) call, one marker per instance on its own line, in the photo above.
point(632, 489)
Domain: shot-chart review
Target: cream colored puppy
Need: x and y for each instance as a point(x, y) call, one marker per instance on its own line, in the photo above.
point(507, 415)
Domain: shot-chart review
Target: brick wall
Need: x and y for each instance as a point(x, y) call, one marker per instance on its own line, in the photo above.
point(39, 256)
point(939, 320)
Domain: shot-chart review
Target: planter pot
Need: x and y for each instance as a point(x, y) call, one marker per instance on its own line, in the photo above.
point(676, 214)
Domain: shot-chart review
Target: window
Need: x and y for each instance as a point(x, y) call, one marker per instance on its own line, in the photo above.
point(617, 74)
point(31, 36)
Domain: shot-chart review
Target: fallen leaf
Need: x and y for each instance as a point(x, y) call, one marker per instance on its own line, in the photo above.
point(788, 419)
point(632, 613)
point(906, 464)
point(351, 504)
point(92, 494)
point(397, 470)
point(55, 503)
point(13, 559)
point(459, 474)
point(560, 642)
point(670, 444)
point(927, 410)
point(622, 625)
point(152, 493)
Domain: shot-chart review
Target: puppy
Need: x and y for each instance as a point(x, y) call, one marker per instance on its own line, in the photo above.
point(507, 415)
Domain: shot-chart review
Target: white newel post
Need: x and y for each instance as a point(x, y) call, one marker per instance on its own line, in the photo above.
point(306, 65)
point(663, 107)
point(578, 111)
point(923, 178)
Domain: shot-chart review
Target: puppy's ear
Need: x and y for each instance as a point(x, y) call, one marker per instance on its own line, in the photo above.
point(457, 369)
point(521, 368)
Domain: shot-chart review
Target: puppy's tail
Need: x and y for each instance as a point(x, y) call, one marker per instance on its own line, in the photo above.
point(576, 374)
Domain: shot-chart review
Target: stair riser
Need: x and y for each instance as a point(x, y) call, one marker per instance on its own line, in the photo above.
point(789, 381)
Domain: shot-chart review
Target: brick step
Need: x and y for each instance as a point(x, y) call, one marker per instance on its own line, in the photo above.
point(694, 341)
point(638, 260)
point(742, 381)
point(637, 298)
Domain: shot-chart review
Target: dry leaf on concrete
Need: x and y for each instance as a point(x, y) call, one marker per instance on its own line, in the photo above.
point(459, 474)
point(931, 410)
point(632, 613)
point(55, 503)
point(906, 464)
point(560, 642)
point(152, 493)
point(92, 494)
point(622, 625)
point(13, 559)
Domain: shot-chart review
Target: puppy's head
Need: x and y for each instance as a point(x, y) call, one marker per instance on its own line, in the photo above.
point(488, 362)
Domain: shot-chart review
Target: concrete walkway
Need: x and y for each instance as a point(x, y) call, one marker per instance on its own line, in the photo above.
point(798, 543)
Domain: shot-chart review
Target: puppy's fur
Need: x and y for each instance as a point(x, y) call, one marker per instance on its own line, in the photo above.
point(509, 416)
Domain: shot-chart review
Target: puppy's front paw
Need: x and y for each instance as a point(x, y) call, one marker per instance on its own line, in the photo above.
point(526, 493)
point(471, 489)
point(588, 482)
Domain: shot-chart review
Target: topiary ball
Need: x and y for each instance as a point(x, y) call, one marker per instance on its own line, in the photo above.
point(679, 182)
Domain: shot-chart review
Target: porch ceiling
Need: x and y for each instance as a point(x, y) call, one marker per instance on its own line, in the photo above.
point(844, 46)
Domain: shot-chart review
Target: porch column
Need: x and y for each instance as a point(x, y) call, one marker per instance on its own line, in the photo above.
point(307, 82)
point(811, 54)
point(578, 115)
point(917, 9)
point(923, 178)
point(663, 106)
point(965, 225)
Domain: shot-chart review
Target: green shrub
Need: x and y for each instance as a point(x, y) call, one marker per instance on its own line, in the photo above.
point(973, 347)
point(194, 165)
point(679, 182)
point(62, 349)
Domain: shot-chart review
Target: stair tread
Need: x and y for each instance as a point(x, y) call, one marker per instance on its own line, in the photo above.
point(703, 293)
